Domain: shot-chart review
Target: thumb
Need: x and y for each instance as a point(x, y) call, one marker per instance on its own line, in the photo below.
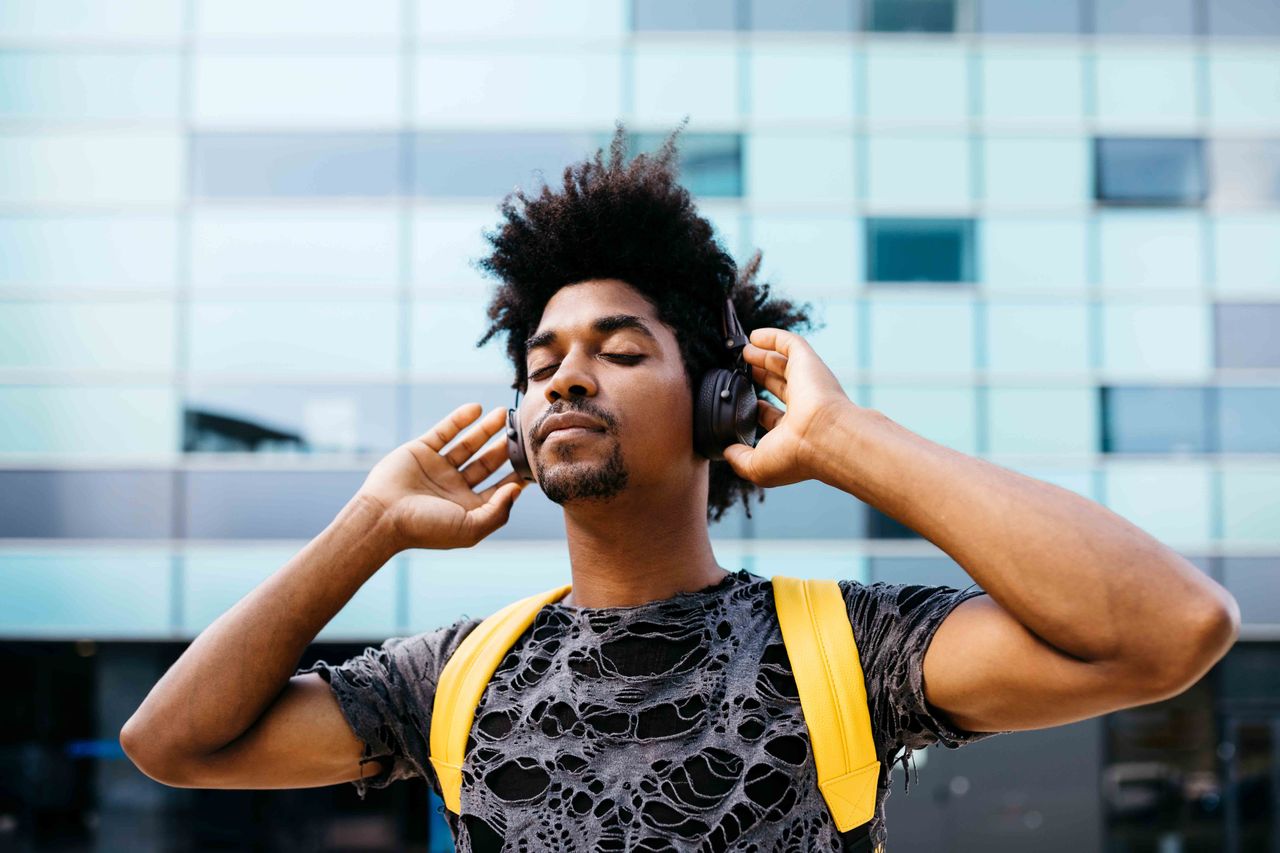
point(739, 458)
point(493, 513)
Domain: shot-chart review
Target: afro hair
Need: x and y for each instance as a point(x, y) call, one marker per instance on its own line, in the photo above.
point(629, 220)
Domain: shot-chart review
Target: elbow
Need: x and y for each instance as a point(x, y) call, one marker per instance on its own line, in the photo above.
point(149, 755)
point(1205, 640)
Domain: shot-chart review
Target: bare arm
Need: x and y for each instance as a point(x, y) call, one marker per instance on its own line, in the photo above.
point(1085, 613)
point(228, 714)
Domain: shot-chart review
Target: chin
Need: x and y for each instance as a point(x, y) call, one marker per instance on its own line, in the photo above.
point(567, 480)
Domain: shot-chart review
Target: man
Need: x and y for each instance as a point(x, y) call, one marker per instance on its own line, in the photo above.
point(654, 707)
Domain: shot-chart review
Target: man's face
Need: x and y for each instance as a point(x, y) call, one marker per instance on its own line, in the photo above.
point(601, 352)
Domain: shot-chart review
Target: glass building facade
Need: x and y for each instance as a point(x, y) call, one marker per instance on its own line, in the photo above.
point(235, 246)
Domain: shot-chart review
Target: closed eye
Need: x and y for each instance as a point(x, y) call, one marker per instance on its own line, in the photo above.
point(623, 358)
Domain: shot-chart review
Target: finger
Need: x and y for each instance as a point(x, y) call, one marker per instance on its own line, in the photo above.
point(475, 437)
point(768, 414)
point(774, 362)
point(779, 340)
point(442, 433)
point(772, 382)
point(739, 458)
point(491, 514)
point(513, 477)
point(489, 460)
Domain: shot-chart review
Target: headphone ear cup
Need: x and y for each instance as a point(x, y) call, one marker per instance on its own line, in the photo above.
point(724, 413)
point(515, 447)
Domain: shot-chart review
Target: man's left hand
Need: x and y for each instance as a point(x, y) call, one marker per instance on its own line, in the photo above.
point(792, 448)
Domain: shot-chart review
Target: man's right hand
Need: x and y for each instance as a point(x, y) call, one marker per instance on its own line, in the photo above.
point(428, 495)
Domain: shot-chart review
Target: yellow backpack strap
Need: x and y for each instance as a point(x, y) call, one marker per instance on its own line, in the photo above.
point(463, 681)
point(833, 696)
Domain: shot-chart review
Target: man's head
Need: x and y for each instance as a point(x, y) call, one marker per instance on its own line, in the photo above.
point(621, 240)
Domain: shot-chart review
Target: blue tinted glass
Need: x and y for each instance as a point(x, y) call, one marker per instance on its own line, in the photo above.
point(1246, 172)
point(920, 250)
point(1151, 17)
point(86, 504)
point(926, 571)
point(265, 504)
point(1249, 420)
point(1143, 419)
point(295, 164)
point(1255, 583)
point(917, 16)
point(805, 511)
point(881, 526)
point(683, 15)
point(1019, 16)
point(1244, 18)
point(1245, 334)
point(1149, 171)
point(490, 164)
point(710, 163)
point(812, 15)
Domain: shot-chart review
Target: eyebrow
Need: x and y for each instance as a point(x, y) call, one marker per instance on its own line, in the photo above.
point(603, 325)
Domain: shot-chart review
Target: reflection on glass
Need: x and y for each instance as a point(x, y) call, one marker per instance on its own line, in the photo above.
point(920, 16)
point(295, 164)
point(683, 15)
point(1147, 17)
point(1146, 419)
point(920, 250)
point(710, 164)
point(1245, 334)
point(290, 419)
point(1249, 419)
point(490, 164)
point(809, 15)
point(1246, 172)
point(1149, 171)
point(1243, 18)
point(1019, 16)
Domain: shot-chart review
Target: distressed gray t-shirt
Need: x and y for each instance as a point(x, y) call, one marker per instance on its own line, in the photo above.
point(673, 724)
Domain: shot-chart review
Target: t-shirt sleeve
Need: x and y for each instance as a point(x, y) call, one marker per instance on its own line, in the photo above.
point(893, 625)
point(387, 693)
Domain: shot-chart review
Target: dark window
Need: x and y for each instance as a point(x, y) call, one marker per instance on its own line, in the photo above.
point(710, 163)
point(1247, 335)
point(1249, 420)
point(1146, 419)
point(807, 15)
point(86, 504)
point(1149, 171)
point(1244, 17)
point(920, 250)
point(265, 504)
point(1019, 16)
point(915, 16)
point(1246, 172)
point(296, 164)
point(1145, 17)
point(684, 15)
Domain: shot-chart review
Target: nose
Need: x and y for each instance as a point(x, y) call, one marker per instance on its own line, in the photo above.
point(571, 379)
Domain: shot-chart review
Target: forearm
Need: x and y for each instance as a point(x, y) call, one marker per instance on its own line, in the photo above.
point(235, 668)
point(1074, 573)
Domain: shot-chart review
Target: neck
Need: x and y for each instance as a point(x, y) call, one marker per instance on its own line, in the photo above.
point(639, 547)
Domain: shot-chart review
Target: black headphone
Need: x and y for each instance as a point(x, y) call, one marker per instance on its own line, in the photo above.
point(724, 410)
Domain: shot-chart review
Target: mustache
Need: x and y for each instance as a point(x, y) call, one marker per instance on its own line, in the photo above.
point(609, 421)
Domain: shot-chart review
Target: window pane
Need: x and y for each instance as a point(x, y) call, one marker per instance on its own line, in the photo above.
point(113, 250)
point(1041, 420)
point(1034, 253)
point(88, 86)
point(277, 336)
point(916, 336)
point(785, 166)
point(1019, 16)
point(837, 341)
point(297, 164)
point(710, 164)
point(1250, 511)
point(920, 16)
point(61, 595)
point(1022, 85)
point(449, 21)
point(1154, 339)
point(1244, 89)
point(251, 247)
point(1154, 87)
point(945, 415)
point(87, 336)
point(1153, 17)
point(920, 250)
point(444, 585)
point(1036, 172)
point(1153, 249)
point(489, 165)
point(805, 511)
point(445, 332)
point(808, 253)
point(88, 421)
point(520, 87)
point(1150, 171)
point(290, 419)
point(73, 20)
point(1246, 253)
point(1246, 172)
point(910, 83)
point(1037, 337)
point(86, 504)
point(236, 89)
point(671, 80)
point(1155, 419)
point(682, 15)
point(266, 504)
point(1172, 503)
point(1243, 18)
point(809, 81)
point(1248, 419)
point(445, 240)
point(98, 167)
point(919, 171)
point(1255, 583)
point(294, 18)
point(1246, 334)
point(812, 15)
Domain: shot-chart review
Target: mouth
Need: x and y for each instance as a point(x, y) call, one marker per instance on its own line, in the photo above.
point(571, 432)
